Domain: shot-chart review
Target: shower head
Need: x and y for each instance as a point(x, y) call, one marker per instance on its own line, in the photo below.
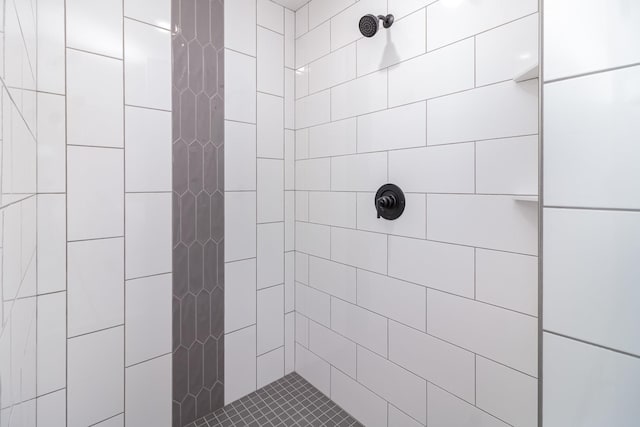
point(369, 24)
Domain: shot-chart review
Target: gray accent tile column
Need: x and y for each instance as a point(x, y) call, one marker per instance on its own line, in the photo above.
point(198, 209)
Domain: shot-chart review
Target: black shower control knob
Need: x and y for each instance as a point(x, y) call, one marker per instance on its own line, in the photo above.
point(389, 202)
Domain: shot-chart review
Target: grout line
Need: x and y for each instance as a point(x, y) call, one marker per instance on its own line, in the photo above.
point(603, 347)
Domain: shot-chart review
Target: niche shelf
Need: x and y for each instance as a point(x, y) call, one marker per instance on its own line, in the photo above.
point(529, 73)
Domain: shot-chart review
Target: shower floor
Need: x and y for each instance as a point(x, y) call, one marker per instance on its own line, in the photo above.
point(290, 401)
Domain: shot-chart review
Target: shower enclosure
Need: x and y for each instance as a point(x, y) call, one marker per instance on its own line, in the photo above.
point(319, 212)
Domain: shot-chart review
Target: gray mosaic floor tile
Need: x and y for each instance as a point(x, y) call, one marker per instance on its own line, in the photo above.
point(290, 401)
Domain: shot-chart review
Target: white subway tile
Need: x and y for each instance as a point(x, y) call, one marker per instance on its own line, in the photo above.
point(506, 51)
point(313, 110)
point(501, 335)
point(117, 421)
point(302, 82)
point(337, 350)
point(289, 160)
point(333, 278)
point(270, 126)
point(446, 410)
point(289, 38)
point(153, 12)
point(148, 234)
point(449, 268)
point(333, 69)
point(239, 225)
point(270, 190)
point(587, 383)
point(579, 115)
point(302, 330)
point(321, 10)
point(95, 27)
point(51, 342)
point(439, 362)
point(360, 402)
point(289, 343)
point(333, 208)
point(302, 143)
point(411, 224)
point(402, 127)
point(492, 222)
point(313, 174)
point(333, 139)
point(147, 150)
point(240, 82)
point(302, 268)
point(361, 96)
point(52, 409)
point(50, 62)
point(507, 166)
point(590, 273)
point(240, 31)
point(95, 106)
point(289, 221)
point(446, 24)
point(344, 26)
point(240, 295)
point(313, 45)
point(289, 281)
point(313, 304)
point(239, 156)
point(360, 249)
point(51, 244)
point(302, 20)
point(289, 99)
point(148, 393)
point(271, 16)
point(603, 37)
point(364, 327)
point(438, 73)
point(270, 319)
point(507, 280)
point(51, 143)
point(313, 239)
point(270, 254)
point(404, 40)
point(509, 395)
point(402, 8)
point(398, 386)
point(302, 206)
point(147, 65)
point(313, 369)
point(438, 169)
point(148, 318)
point(96, 367)
point(496, 111)
point(270, 367)
point(270, 59)
point(95, 285)
point(240, 364)
point(361, 172)
point(401, 301)
point(397, 418)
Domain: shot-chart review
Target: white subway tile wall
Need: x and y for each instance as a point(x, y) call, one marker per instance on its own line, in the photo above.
point(591, 218)
point(86, 190)
point(393, 318)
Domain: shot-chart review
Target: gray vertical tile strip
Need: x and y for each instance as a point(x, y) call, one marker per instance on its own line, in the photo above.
point(198, 208)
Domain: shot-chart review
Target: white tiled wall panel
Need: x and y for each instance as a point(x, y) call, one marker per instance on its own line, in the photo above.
point(270, 190)
point(410, 224)
point(313, 304)
point(51, 143)
point(148, 393)
point(313, 110)
point(52, 241)
point(360, 249)
point(95, 28)
point(240, 226)
point(270, 263)
point(362, 172)
point(313, 45)
point(240, 155)
point(333, 208)
point(496, 111)
point(402, 127)
point(322, 10)
point(240, 32)
point(240, 364)
point(153, 12)
point(510, 395)
point(590, 274)
point(601, 39)
point(336, 279)
point(438, 73)
point(333, 139)
point(271, 16)
point(589, 384)
point(240, 295)
point(240, 83)
point(270, 58)
point(51, 46)
point(333, 69)
point(452, 20)
point(579, 115)
point(270, 126)
point(270, 367)
point(51, 342)
point(368, 92)
point(335, 349)
point(270, 319)
point(358, 400)
point(447, 410)
point(313, 239)
point(314, 369)
point(362, 326)
point(501, 335)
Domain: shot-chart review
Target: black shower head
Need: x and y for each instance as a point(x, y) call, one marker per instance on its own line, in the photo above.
point(369, 24)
